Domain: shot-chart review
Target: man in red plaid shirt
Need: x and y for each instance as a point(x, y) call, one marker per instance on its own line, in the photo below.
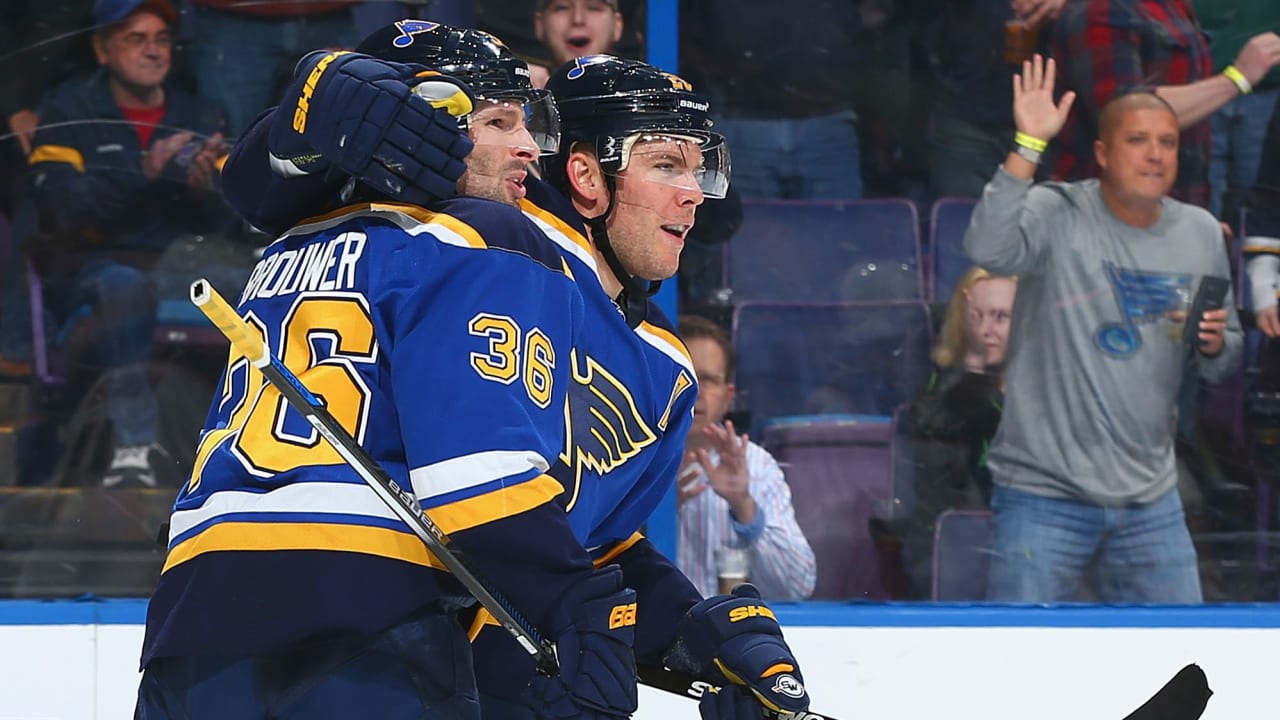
point(1106, 48)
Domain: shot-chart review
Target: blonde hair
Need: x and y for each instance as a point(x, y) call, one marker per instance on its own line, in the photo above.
point(952, 343)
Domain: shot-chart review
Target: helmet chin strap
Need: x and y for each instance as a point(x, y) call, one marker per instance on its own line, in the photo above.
point(632, 302)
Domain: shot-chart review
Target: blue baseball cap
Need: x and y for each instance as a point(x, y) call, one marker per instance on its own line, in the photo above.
point(108, 12)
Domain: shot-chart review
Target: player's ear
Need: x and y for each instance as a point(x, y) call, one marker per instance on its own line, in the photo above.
point(586, 178)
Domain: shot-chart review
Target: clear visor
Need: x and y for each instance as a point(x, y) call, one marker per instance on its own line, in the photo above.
point(530, 123)
point(680, 161)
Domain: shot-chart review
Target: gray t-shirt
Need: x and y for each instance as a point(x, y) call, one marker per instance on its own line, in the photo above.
point(1094, 363)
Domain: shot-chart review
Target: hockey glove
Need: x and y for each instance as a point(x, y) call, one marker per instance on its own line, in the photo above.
point(731, 702)
point(365, 117)
point(737, 638)
point(597, 665)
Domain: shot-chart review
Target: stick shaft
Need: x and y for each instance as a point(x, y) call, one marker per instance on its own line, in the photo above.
point(249, 343)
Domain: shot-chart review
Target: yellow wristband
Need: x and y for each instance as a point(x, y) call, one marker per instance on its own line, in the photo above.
point(1030, 143)
point(1234, 75)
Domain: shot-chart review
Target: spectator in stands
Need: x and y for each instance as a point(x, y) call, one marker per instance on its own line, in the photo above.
point(571, 29)
point(245, 52)
point(779, 82)
point(1083, 462)
point(732, 492)
point(1240, 125)
point(122, 165)
point(43, 44)
point(1108, 48)
point(971, 49)
point(528, 27)
point(1262, 247)
point(953, 418)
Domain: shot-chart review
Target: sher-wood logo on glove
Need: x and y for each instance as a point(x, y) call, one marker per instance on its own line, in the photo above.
point(789, 686)
point(739, 614)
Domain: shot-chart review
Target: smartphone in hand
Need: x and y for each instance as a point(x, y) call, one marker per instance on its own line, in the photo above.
point(1211, 295)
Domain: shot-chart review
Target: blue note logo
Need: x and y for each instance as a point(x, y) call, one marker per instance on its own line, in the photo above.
point(1143, 297)
point(409, 28)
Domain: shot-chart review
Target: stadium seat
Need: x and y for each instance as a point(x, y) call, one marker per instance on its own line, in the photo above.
point(822, 251)
point(863, 358)
point(947, 262)
point(962, 555)
point(839, 471)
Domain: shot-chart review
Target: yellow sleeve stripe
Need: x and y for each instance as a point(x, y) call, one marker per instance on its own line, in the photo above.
point(382, 542)
point(427, 217)
point(1256, 249)
point(505, 502)
point(554, 221)
point(618, 549)
point(58, 154)
point(484, 617)
point(670, 337)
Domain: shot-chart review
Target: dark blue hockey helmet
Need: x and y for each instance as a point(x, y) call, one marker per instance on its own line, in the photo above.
point(612, 102)
point(475, 57)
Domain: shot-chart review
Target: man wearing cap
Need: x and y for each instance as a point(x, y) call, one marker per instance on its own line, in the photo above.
point(121, 165)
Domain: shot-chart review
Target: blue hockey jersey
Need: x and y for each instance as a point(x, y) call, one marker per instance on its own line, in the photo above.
point(630, 407)
point(632, 398)
point(442, 340)
point(630, 402)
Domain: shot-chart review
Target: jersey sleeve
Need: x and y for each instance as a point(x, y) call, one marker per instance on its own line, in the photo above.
point(480, 370)
point(663, 596)
point(269, 200)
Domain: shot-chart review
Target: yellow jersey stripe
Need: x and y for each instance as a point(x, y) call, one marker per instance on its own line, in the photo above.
point(58, 154)
point(484, 617)
point(564, 228)
point(666, 342)
point(463, 514)
point(618, 549)
point(250, 536)
point(420, 216)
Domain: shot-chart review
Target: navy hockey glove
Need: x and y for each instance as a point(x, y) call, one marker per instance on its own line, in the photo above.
point(737, 637)
point(368, 118)
point(597, 664)
point(731, 702)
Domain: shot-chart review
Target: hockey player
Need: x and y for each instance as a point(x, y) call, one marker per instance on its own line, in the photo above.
point(441, 339)
point(637, 158)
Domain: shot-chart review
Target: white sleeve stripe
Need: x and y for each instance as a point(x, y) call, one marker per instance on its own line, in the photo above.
point(666, 348)
point(441, 233)
point(468, 471)
point(300, 498)
point(563, 242)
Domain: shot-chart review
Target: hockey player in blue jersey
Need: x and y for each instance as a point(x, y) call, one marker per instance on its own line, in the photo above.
point(637, 159)
point(441, 339)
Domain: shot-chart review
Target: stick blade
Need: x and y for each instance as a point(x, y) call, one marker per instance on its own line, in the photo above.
point(1182, 698)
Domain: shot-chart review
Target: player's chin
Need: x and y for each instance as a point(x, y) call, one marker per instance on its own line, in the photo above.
point(664, 267)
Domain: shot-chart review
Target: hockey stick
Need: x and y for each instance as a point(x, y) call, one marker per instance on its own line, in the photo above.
point(249, 343)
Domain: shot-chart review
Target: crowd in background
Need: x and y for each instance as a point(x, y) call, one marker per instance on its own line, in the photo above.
point(116, 121)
